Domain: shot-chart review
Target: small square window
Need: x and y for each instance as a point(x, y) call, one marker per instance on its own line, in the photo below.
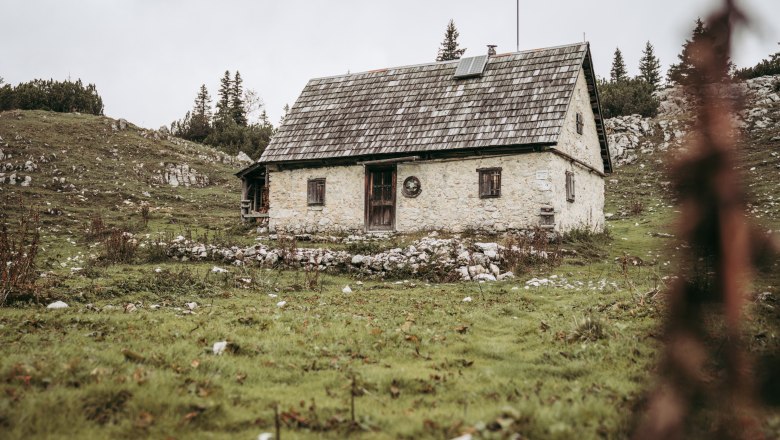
point(569, 186)
point(580, 123)
point(489, 182)
point(316, 192)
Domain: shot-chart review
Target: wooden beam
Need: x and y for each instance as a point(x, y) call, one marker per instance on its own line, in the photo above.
point(577, 161)
point(390, 161)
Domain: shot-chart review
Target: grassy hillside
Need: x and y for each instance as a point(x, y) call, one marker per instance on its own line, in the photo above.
point(570, 355)
point(83, 166)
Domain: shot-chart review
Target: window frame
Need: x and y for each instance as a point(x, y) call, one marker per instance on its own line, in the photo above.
point(570, 187)
point(484, 184)
point(580, 122)
point(311, 190)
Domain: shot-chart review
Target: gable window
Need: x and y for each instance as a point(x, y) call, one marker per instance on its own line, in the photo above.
point(580, 123)
point(489, 182)
point(569, 186)
point(316, 192)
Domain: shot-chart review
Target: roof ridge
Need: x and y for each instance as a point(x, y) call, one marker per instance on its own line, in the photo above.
point(408, 66)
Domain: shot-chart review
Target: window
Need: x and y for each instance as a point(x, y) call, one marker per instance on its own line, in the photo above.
point(569, 186)
point(316, 192)
point(489, 182)
point(580, 123)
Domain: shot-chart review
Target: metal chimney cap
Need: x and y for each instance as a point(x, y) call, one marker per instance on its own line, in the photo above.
point(491, 49)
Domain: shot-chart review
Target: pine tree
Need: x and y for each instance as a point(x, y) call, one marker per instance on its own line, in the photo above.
point(237, 110)
point(264, 120)
point(200, 122)
point(682, 72)
point(225, 99)
point(449, 47)
point(618, 72)
point(650, 67)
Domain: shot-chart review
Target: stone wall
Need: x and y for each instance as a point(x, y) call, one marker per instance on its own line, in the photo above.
point(344, 200)
point(440, 259)
point(450, 194)
point(587, 209)
point(585, 146)
point(449, 199)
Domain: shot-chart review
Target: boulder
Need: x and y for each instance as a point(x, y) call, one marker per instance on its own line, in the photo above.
point(57, 305)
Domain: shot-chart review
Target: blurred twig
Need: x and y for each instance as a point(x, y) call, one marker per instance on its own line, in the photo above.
point(715, 272)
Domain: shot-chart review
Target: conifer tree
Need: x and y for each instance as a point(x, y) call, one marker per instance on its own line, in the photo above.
point(264, 120)
point(224, 100)
point(682, 72)
point(200, 122)
point(449, 47)
point(650, 67)
point(237, 110)
point(618, 71)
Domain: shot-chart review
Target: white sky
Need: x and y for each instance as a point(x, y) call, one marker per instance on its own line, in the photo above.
point(148, 57)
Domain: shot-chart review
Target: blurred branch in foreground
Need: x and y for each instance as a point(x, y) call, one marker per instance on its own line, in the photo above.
point(705, 387)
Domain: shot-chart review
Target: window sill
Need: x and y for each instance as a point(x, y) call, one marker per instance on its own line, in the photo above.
point(316, 207)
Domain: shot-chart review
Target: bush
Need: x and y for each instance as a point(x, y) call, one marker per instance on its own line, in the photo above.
point(628, 97)
point(119, 247)
point(530, 250)
point(65, 96)
point(17, 259)
point(587, 329)
point(97, 228)
point(157, 250)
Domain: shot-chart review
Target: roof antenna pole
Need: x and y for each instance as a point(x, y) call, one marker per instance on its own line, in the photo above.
point(518, 25)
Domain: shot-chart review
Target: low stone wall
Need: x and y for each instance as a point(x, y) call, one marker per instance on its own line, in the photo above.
point(444, 258)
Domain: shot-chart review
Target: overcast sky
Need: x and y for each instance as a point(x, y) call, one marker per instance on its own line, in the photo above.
point(148, 57)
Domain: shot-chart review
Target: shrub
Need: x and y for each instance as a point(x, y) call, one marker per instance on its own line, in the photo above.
point(777, 86)
point(17, 259)
point(157, 250)
point(97, 228)
point(531, 249)
point(145, 213)
point(636, 207)
point(628, 97)
point(587, 329)
point(119, 247)
point(588, 244)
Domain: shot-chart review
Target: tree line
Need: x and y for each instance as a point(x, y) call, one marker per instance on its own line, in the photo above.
point(622, 95)
point(57, 96)
point(230, 125)
point(767, 66)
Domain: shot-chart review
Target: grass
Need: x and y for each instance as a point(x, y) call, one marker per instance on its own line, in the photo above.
point(454, 363)
point(572, 357)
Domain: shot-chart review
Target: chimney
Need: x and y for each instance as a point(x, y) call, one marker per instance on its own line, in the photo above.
point(491, 49)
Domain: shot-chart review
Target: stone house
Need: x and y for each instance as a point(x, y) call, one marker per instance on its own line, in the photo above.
point(494, 143)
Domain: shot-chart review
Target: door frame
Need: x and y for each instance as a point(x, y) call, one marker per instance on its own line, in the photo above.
point(367, 193)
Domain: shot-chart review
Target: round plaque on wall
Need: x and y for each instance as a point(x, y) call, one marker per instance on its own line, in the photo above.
point(412, 187)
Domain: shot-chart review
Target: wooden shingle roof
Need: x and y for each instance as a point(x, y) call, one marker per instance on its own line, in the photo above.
point(521, 99)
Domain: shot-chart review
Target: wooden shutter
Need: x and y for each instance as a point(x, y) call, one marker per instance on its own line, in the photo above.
point(569, 186)
point(316, 192)
point(489, 182)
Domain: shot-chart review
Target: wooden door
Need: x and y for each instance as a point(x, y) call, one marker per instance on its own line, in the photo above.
point(380, 199)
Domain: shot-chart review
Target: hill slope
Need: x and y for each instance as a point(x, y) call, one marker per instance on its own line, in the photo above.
point(72, 167)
